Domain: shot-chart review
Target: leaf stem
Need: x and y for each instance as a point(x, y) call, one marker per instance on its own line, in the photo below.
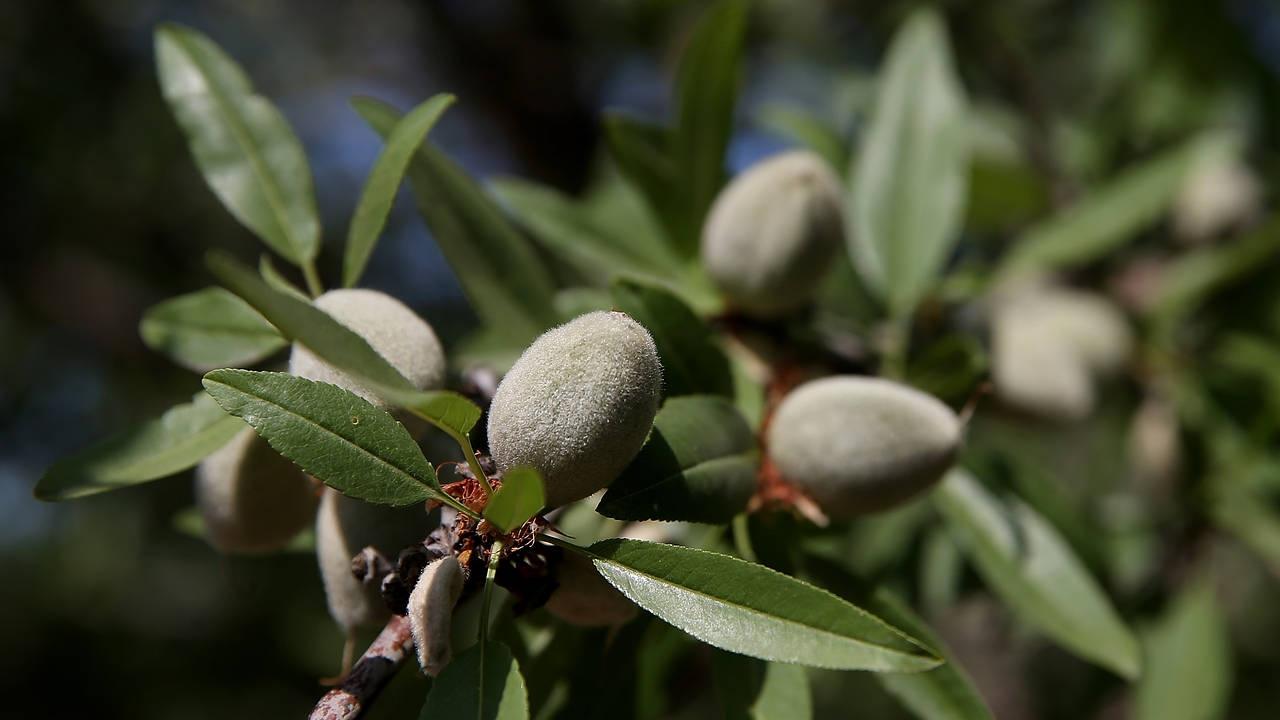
point(897, 336)
point(473, 462)
point(742, 538)
point(495, 554)
point(312, 277)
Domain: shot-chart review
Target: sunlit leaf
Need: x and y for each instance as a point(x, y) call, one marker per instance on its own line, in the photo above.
point(520, 498)
point(1188, 660)
point(272, 277)
point(242, 144)
point(208, 329)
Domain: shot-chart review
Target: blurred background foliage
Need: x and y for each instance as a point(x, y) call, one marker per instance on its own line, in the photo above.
point(110, 610)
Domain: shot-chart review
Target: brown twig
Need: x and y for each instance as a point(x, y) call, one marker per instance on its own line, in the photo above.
point(371, 673)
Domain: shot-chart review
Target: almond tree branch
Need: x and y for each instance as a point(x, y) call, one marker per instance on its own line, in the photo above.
point(371, 673)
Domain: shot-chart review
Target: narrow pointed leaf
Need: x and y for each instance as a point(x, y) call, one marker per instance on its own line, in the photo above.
point(749, 609)
point(520, 498)
point(277, 281)
point(699, 465)
point(175, 441)
point(911, 170)
point(1188, 672)
point(1029, 565)
point(642, 153)
point(484, 683)
point(331, 433)
point(209, 329)
point(243, 145)
point(751, 689)
point(380, 189)
point(506, 282)
point(706, 92)
point(691, 361)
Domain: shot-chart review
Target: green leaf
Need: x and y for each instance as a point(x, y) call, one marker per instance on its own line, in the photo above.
point(706, 92)
point(691, 361)
point(1188, 654)
point(1028, 564)
point(268, 271)
point(208, 329)
point(384, 180)
point(749, 609)
point(641, 151)
point(751, 689)
point(519, 498)
point(1112, 214)
point(482, 683)
point(943, 693)
point(331, 433)
point(911, 173)
point(175, 441)
point(190, 522)
point(242, 144)
point(808, 132)
point(501, 274)
point(699, 465)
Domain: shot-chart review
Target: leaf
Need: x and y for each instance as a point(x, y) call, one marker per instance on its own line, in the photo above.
point(483, 683)
point(175, 441)
point(691, 361)
point(242, 144)
point(706, 92)
point(384, 180)
point(208, 329)
point(751, 689)
point(520, 498)
point(501, 274)
point(1028, 564)
point(911, 173)
point(699, 465)
point(331, 433)
point(190, 522)
point(1112, 214)
point(808, 132)
point(641, 151)
point(749, 609)
point(331, 341)
point(1188, 653)
point(277, 281)
point(943, 693)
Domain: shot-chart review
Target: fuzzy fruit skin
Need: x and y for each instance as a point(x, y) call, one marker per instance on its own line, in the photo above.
point(431, 613)
point(578, 404)
point(586, 599)
point(405, 340)
point(772, 232)
point(859, 445)
point(251, 498)
point(344, 527)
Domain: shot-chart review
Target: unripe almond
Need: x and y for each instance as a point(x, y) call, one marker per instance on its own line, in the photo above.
point(344, 527)
point(1217, 196)
point(431, 612)
point(578, 404)
point(252, 499)
point(772, 232)
point(405, 340)
point(859, 444)
point(584, 598)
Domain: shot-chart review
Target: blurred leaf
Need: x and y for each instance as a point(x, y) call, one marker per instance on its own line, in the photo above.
point(751, 689)
point(519, 498)
point(277, 281)
point(699, 465)
point(1112, 214)
point(501, 274)
point(749, 609)
point(1028, 564)
point(483, 683)
point(189, 522)
point(384, 180)
point(243, 145)
point(691, 361)
point(331, 433)
point(706, 92)
point(1250, 517)
point(641, 151)
point(1188, 660)
point(333, 342)
point(808, 132)
point(943, 693)
point(951, 368)
point(209, 329)
point(175, 441)
point(568, 229)
point(910, 175)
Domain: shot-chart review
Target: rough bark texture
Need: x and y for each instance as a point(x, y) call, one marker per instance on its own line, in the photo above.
point(369, 675)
